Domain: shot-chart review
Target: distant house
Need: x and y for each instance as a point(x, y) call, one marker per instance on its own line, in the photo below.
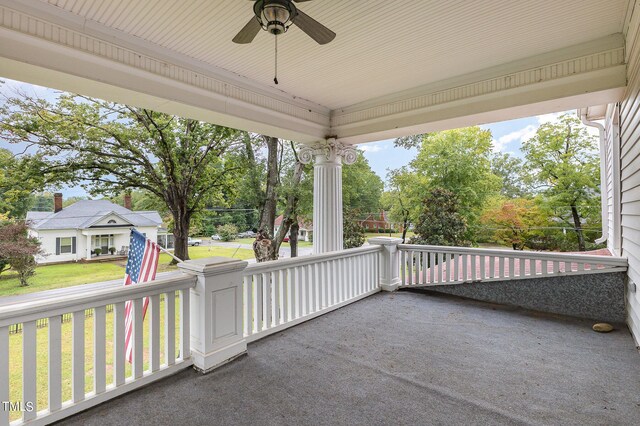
point(304, 233)
point(75, 232)
point(374, 222)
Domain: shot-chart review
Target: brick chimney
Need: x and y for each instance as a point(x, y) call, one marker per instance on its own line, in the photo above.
point(57, 202)
point(127, 201)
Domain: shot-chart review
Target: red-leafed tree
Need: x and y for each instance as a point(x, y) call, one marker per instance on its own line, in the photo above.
point(18, 250)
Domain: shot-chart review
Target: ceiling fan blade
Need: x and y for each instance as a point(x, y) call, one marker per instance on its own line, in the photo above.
point(248, 32)
point(313, 28)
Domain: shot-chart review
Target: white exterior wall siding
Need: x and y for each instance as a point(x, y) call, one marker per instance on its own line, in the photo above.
point(630, 170)
point(48, 245)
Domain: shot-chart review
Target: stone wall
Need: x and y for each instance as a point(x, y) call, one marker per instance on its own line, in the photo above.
point(596, 296)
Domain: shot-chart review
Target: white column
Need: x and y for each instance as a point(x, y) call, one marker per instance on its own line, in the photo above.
point(327, 192)
point(389, 262)
point(215, 311)
point(88, 247)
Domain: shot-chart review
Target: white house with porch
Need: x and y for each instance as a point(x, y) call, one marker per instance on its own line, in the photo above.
point(75, 232)
point(395, 68)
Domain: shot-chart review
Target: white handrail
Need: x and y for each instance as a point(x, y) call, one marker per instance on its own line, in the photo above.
point(427, 265)
point(563, 257)
point(88, 299)
point(254, 268)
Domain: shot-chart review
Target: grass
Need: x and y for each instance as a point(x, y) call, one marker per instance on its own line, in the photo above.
point(50, 277)
point(251, 240)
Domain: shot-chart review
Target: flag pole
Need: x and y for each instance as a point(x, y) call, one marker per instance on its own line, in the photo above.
point(162, 249)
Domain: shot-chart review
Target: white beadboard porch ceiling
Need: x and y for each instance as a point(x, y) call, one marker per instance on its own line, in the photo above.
point(382, 47)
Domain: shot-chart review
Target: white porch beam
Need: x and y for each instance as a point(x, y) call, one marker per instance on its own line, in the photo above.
point(50, 47)
point(591, 73)
point(327, 192)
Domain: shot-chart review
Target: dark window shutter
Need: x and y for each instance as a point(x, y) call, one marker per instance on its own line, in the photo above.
point(57, 245)
point(73, 245)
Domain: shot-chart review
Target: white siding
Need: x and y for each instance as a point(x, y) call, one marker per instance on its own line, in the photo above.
point(630, 169)
point(48, 245)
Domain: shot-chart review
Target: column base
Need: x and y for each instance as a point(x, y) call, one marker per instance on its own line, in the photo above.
point(390, 287)
point(205, 363)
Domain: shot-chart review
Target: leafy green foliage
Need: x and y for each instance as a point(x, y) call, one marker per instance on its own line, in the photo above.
point(353, 233)
point(361, 187)
point(440, 222)
point(509, 169)
point(110, 148)
point(227, 232)
point(19, 178)
point(563, 163)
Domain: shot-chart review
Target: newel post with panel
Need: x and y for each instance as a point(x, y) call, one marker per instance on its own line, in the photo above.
point(216, 311)
point(389, 262)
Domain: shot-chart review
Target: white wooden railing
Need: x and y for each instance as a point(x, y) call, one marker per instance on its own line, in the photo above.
point(422, 265)
point(108, 351)
point(283, 293)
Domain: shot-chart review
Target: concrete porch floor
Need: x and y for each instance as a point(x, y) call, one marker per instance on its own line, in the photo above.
point(406, 358)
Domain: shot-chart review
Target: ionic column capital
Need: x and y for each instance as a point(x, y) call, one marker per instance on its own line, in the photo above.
point(329, 151)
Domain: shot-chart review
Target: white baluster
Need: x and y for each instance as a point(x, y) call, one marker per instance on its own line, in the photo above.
point(268, 300)
point(29, 368)
point(118, 343)
point(99, 349)
point(170, 327)
point(512, 271)
point(258, 303)
point(247, 299)
point(55, 363)
point(185, 332)
point(77, 369)
point(501, 267)
point(4, 373)
point(137, 338)
point(154, 332)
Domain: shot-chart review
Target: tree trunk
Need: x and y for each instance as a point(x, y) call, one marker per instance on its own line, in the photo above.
point(293, 238)
point(289, 217)
point(405, 227)
point(268, 213)
point(578, 227)
point(181, 224)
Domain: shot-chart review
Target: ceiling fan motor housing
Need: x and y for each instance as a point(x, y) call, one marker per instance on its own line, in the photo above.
point(275, 16)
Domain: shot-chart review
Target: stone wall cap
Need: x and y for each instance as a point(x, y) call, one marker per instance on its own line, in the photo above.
point(385, 241)
point(216, 265)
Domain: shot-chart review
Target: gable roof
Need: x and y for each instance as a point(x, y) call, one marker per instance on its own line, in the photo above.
point(303, 225)
point(83, 214)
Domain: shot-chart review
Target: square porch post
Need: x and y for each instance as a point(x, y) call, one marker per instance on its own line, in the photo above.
point(389, 262)
point(215, 311)
point(327, 191)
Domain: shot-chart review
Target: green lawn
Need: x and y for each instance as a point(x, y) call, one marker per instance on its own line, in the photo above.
point(251, 240)
point(69, 274)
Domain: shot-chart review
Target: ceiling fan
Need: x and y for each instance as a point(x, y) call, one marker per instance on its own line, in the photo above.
point(276, 16)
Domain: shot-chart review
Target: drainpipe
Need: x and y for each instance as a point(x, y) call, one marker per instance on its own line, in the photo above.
point(603, 174)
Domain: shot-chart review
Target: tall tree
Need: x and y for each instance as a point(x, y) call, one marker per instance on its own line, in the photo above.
point(110, 148)
point(440, 222)
point(18, 183)
point(459, 162)
point(18, 250)
point(510, 170)
point(563, 161)
point(361, 187)
point(396, 201)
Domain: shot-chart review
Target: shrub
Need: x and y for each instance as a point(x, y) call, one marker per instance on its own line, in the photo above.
point(227, 232)
point(112, 250)
point(98, 251)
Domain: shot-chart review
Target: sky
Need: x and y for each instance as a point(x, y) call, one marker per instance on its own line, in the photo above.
point(508, 136)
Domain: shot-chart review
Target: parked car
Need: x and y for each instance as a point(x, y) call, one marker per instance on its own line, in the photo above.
point(286, 239)
point(194, 242)
point(247, 234)
point(216, 237)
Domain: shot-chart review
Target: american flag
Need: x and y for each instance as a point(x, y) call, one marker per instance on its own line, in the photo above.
point(141, 267)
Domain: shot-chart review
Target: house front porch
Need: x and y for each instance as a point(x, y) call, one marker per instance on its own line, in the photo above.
point(406, 358)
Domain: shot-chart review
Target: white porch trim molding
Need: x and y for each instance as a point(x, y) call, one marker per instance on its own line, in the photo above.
point(45, 45)
point(327, 191)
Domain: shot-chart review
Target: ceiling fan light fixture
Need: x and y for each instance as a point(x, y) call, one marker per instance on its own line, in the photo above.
point(275, 15)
